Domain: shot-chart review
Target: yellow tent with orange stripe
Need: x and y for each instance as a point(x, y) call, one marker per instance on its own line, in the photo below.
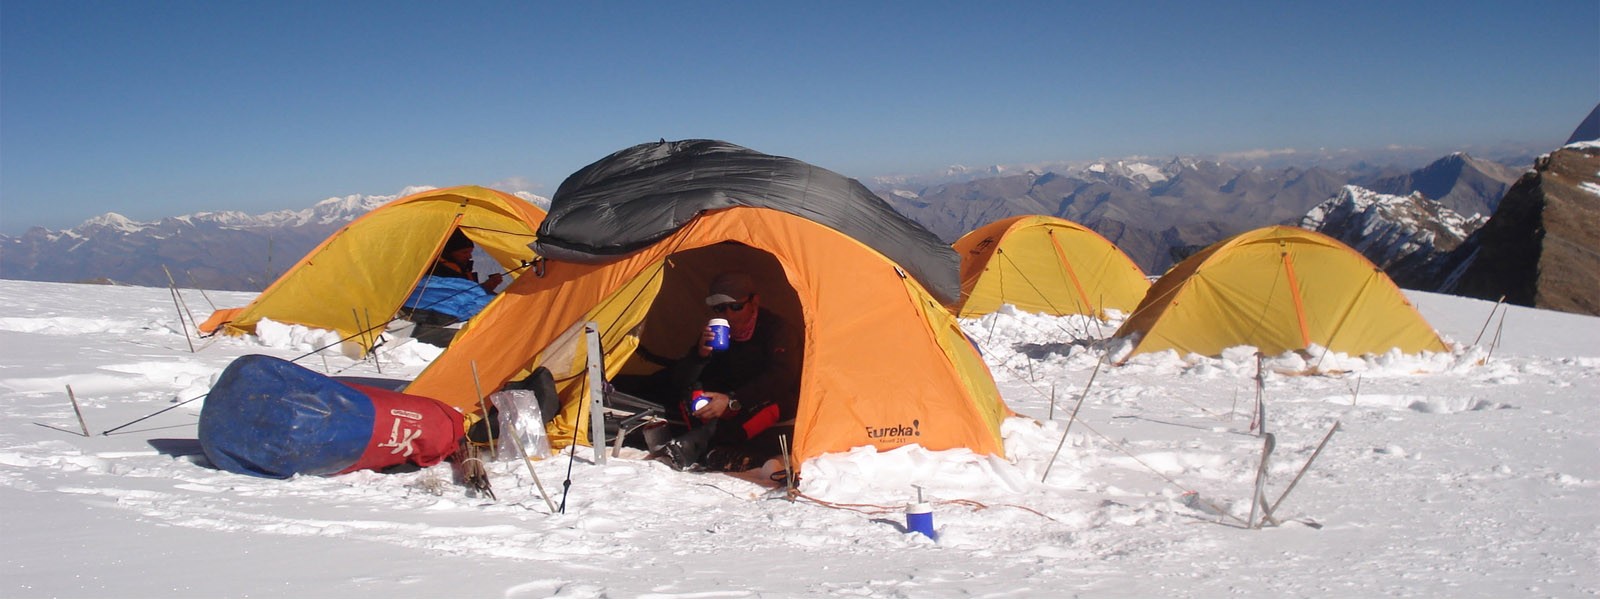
point(1278, 289)
point(631, 243)
point(1045, 265)
point(355, 281)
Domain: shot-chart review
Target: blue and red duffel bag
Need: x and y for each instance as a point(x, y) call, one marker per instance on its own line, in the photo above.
point(269, 417)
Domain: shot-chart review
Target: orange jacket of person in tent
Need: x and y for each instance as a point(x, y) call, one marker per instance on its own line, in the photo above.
point(741, 393)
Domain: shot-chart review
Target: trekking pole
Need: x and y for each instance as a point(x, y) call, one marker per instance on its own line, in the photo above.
point(109, 431)
point(1072, 418)
point(494, 448)
point(572, 456)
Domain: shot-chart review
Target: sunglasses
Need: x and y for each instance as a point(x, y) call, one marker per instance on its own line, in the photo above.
point(728, 307)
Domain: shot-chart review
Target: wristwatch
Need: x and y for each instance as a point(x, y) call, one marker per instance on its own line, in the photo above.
point(733, 403)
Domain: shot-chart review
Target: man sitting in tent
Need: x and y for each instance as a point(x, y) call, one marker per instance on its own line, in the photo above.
point(449, 294)
point(751, 389)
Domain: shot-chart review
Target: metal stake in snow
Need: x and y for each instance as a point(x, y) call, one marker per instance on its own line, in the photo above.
point(1256, 502)
point(1297, 476)
point(1486, 321)
point(1259, 421)
point(77, 410)
point(177, 303)
point(1073, 417)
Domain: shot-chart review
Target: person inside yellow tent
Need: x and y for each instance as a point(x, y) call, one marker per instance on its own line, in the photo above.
point(449, 294)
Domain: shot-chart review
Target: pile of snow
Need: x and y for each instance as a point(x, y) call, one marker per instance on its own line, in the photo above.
point(1466, 473)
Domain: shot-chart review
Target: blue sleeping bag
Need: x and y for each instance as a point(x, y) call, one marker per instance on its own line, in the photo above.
point(269, 417)
point(454, 296)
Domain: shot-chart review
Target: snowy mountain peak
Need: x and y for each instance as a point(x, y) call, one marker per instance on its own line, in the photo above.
point(1392, 231)
point(113, 221)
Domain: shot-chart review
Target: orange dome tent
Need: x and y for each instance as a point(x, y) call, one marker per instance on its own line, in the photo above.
point(883, 363)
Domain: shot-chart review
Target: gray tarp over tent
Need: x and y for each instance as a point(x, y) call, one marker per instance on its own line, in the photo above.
point(639, 195)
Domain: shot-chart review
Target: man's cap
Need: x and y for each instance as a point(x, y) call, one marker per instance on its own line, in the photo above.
point(457, 241)
point(732, 286)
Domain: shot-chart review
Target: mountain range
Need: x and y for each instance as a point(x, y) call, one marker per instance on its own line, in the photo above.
point(1160, 213)
point(1157, 212)
point(226, 250)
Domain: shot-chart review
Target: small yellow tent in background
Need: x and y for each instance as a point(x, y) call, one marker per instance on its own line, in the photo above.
point(356, 280)
point(1278, 289)
point(1047, 265)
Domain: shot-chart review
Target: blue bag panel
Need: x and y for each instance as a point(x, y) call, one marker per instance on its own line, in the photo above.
point(269, 417)
point(454, 296)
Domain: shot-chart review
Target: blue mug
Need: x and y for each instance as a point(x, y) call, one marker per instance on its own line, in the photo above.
point(719, 334)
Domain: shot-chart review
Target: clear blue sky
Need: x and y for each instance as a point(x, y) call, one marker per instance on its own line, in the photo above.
point(155, 109)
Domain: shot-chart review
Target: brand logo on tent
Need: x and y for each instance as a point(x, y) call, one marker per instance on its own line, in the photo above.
point(899, 432)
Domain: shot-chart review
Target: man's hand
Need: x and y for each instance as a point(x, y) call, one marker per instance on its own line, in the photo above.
point(493, 282)
point(714, 409)
point(705, 341)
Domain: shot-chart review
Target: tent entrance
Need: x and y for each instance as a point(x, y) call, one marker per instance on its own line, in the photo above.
point(672, 326)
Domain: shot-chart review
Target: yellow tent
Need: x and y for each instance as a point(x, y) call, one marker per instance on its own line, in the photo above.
point(883, 363)
point(1046, 265)
point(356, 280)
point(1277, 289)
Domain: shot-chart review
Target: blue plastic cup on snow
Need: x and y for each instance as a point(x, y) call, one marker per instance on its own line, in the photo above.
point(919, 518)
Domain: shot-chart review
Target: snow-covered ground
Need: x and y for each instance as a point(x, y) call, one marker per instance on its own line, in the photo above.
point(1473, 474)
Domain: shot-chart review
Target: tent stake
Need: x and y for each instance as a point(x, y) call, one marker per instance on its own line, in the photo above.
point(202, 291)
point(1072, 418)
point(1486, 321)
point(75, 409)
point(1268, 442)
point(177, 302)
point(1052, 401)
point(1274, 507)
point(376, 364)
point(1498, 329)
point(1258, 422)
